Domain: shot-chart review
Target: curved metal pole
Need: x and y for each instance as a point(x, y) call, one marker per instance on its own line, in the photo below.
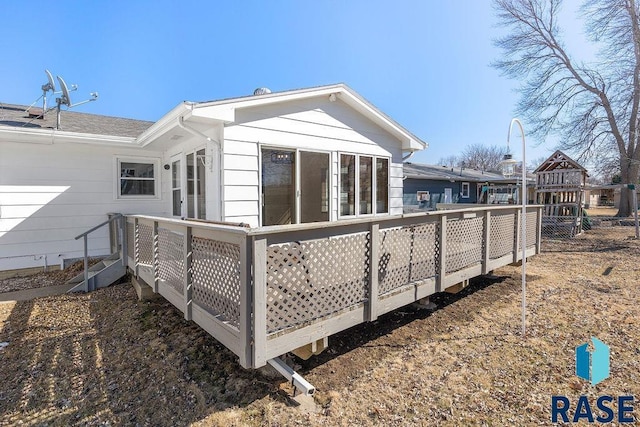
point(523, 216)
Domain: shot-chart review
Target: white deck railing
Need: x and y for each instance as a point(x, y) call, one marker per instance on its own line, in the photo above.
point(266, 291)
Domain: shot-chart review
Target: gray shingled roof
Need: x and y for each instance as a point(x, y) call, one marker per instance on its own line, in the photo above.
point(71, 121)
point(443, 173)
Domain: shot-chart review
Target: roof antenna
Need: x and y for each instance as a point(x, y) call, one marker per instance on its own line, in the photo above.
point(49, 86)
point(65, 99)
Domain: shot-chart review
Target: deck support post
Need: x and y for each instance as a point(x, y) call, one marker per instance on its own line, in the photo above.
point(487, 242)
point(296, 379)
point(156, 258)
point(442, 265)
point(188, 282)
point(246, 297)
point(259, 302)
point(136, 246)
point(374, 259)
point(122, 233)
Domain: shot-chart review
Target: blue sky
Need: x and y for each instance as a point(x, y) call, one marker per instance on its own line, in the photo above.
point(424, 63)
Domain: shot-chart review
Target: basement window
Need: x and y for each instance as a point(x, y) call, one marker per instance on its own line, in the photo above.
point(137, 178)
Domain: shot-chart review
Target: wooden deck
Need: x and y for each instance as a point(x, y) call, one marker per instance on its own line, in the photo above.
point(266, 291)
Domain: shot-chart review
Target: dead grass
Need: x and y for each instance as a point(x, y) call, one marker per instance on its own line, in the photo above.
point(107, 359)
point(39, 280)
point(604, 211)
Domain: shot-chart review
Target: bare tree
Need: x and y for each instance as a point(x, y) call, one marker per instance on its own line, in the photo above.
point(482, 157)
point(594, 108)
point(535, 163)
point(605, 168)
point(449, 161)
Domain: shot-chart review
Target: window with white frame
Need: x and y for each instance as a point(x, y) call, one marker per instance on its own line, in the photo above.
point(364, 185)
point(382, 185)
point(465, 190)
point(137, 178)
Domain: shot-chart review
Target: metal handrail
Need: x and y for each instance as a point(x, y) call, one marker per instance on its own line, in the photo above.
point(102, 224)
point(85, 235)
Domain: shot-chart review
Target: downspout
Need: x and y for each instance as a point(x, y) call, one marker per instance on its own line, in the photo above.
point(197, 133)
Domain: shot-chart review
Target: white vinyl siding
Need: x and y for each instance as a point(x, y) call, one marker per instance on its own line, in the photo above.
point(241, 181)
point(51, 193)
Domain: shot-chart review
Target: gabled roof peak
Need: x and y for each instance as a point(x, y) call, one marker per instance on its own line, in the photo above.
point(269, 95)
point(224, 111)
point(559, 160)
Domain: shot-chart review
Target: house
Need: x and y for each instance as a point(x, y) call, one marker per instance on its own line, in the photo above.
point(601, 195)
point(316, 175)
point(300, 156)
point(427, 185)
point(606, 195)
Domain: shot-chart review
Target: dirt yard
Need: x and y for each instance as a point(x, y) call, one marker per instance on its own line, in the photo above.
point(40, 280)
point(106, 359)
point(604, 211)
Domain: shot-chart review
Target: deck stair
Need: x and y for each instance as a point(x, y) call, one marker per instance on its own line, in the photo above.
point(109, 270)
point(100, 275)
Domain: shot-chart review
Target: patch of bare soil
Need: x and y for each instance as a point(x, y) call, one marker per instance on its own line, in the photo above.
point(46, 278)
point(106, 359)
point(605, 211)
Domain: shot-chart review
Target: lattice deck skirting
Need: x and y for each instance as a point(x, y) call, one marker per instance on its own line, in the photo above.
point(264, 292)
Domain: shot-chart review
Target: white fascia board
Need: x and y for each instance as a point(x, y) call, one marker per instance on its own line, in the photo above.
point(413, 145)
point(51, 136)
point(166, 123)
point(223, 113)
point(271, 98)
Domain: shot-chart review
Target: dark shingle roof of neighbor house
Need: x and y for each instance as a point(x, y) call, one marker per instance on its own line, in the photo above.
point(71, 121)
point(444, 173)
point(435, 172)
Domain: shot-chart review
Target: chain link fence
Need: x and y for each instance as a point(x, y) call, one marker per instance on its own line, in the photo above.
point(566, 227)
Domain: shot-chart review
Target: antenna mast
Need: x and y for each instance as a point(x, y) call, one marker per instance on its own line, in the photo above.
point(49, 86)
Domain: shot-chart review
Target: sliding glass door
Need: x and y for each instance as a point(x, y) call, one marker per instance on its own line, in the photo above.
point(295, 186)
point(314, 186)
point(278, 187)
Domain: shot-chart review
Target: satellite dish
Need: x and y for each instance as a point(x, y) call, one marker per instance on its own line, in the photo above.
point(65, 99)
point(50, 86)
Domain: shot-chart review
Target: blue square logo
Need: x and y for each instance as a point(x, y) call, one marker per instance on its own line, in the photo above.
point(593, 364)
